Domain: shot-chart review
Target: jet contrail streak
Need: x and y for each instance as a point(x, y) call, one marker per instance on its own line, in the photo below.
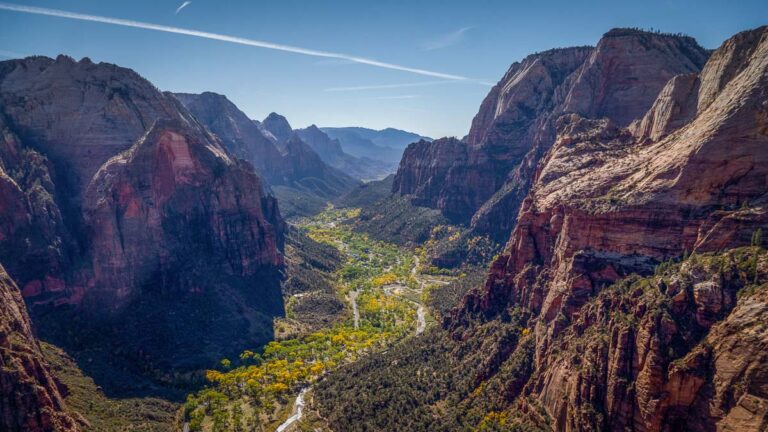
point(386, 86)
point(183, 5)
point(223, 38)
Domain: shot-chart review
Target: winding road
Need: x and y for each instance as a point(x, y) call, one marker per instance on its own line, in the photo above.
point(298, 410)
point(421, 322)
point(355, 312)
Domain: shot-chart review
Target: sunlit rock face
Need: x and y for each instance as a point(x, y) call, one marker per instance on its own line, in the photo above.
point(175, 212)
point(607, 201)
point(619, 79)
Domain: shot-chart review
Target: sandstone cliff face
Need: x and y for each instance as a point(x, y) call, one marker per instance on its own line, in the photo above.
point(241, 136)
point(677, 351)
point(176, 213)
point(30, 398)
point(34, 240)
point(278, 127)
point(79, 114)
point(89, 187)
point(609, 201)
point(618, 79)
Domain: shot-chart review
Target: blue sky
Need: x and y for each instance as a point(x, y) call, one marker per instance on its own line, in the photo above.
point(475, 40)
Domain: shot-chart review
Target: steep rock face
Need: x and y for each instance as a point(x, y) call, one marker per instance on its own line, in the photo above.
point(677, 351)
point(34, 241)
point(31, 399)
point(98, 207)
point(79, 114)
point(241, 136)
point(61, 120)
point(423, 166)
point(625, 72)
point(605, 204)
point(278, 126)
point(515, 126)
point(675, 107)
point(174, 213)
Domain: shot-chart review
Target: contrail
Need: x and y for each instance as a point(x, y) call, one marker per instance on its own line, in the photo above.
point(225, 38)
point(183, 5)
point(386, 86)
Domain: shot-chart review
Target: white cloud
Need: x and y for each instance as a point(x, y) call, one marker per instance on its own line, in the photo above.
point(225, 38)
point(183, 5)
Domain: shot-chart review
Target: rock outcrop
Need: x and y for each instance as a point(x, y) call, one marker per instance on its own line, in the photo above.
point(609, 201)
point(241, 136)
point(30, 397)
point(296, 170)
point(118, 203)
point(278, 127)
point(618, 79)
point(79, 114)
point(176, 213)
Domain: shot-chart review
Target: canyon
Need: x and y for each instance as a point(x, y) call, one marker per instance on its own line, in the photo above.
point(631, 176)
point(155, 235)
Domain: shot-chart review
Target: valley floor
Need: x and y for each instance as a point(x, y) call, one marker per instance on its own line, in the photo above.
point(264, 390)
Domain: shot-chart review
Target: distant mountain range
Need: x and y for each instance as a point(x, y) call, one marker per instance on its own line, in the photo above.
point(386, 145)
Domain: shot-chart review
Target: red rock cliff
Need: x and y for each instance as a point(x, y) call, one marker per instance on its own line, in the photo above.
point(30, 398)
point(515, 126)
point(607, 202)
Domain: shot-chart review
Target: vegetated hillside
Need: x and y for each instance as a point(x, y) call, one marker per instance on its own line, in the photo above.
point(485, 376)
point(102, 413)
point(389, 217)
point(395, 219)
point(627, 296)
point(309, 284)
point(367, 194)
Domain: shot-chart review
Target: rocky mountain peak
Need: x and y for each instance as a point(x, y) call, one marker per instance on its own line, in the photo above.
point(78, 113)
point(278, 126)
point(626, 71)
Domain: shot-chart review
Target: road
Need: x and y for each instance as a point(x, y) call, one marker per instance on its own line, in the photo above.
point(298, 410)
point(421, 323)
point(355, 312)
